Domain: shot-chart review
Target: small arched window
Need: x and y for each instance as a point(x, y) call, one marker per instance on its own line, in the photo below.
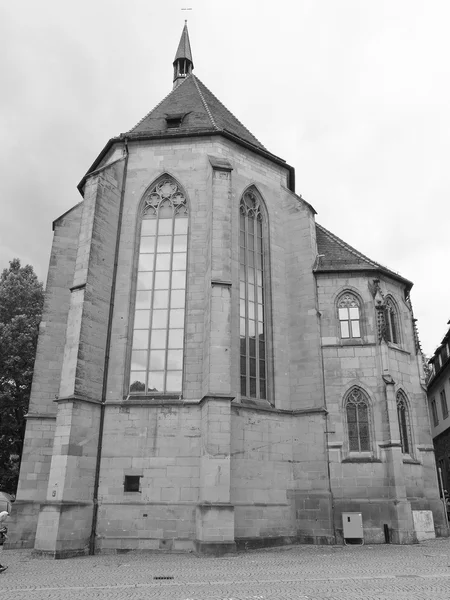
point(349, 316)
point(158, 334)
point(358, 420)
point(404, 423)
point(253, 329)
point(391, 321)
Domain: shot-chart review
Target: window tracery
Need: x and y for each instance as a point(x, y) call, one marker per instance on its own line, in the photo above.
point(404, 422)
point(158, 334)
point(358, 420)
point(391, 328)
point(349, 316)
point(253, 333)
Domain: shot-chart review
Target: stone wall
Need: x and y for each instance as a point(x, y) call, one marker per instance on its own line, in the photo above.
point(376, 482)
point(65, 520)
point(162, 445)
point(213, 468)
point(41, 418)
point(280, 485)
point(214, 187)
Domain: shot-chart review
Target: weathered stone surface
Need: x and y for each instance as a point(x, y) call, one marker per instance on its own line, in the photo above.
point(213, 468)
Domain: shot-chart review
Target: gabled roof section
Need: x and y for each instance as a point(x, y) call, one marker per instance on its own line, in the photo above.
point(184, 47)
point(202, 111)
point(337, 255)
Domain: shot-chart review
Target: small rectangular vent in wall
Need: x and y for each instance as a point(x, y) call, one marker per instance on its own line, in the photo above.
point(132, 483)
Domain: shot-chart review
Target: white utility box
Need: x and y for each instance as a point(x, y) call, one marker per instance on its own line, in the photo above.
point(352, 525)
point(424, 524)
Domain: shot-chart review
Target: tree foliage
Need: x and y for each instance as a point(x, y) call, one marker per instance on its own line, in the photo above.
point(21, 302)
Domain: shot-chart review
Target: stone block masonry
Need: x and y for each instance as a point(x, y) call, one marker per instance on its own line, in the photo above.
point(65, 523)
point(41, 418)
point(209, 469)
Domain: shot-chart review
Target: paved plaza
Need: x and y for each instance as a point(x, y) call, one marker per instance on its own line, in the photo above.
point(296, 572)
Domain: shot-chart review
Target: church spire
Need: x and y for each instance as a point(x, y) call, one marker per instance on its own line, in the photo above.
point(183, 64)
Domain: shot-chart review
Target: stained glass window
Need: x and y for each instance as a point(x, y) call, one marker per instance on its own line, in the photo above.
point(349, 316)
point(158, 334)
point(358, 426)
point(253, 334)
point(391, 322)
point(404, 423)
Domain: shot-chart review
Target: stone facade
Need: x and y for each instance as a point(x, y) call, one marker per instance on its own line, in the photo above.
point(216, 470)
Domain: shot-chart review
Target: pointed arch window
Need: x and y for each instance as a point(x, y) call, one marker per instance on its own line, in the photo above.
point(158, 334)
point(391, 321)
point(253, 330)
point(357, 410)
point(349, 316)
point(404, 423)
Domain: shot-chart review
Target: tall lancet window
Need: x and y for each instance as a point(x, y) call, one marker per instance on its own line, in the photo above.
point(253, 331)
point(404, 423)
point(358, 420)
point(391, 320)
point(157, 350)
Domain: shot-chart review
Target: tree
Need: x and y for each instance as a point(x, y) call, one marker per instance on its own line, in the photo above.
point(21, 302)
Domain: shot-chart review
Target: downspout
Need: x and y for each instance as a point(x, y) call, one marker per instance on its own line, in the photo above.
point(106, 366)
point(327, 450)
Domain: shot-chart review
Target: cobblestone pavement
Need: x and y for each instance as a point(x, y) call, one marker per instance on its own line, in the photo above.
point(381, 572)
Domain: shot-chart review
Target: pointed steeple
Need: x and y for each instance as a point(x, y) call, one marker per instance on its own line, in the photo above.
point(183, 64)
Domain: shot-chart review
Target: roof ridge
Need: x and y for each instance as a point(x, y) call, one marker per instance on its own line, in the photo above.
point(205, 104)
point(232, 114)
point(358, 254)
point(159, 103)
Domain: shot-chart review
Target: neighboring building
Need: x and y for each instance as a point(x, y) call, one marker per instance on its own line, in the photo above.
point(438, 402)
point(215, 368)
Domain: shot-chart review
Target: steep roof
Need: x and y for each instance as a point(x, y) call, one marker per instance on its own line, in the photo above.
point(184, 47)
point(190, 109)
point(201, 111)
point(337, 255)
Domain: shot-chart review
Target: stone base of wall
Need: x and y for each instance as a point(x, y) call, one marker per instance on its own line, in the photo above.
point(22, 524)
point(123, 545)
point(60, 554)
point(243, 544)
point(64, 529)
point(214, 548)
point(395, 514)
point(313, 512)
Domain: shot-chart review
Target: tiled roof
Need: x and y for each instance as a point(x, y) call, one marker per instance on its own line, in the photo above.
point(337, 255)
point(202, 111)
point(184, 47)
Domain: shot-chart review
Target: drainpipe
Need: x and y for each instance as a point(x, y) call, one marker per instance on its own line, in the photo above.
point(106, 366)
point(327, 451)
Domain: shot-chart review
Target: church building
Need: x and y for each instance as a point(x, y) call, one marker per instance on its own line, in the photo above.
point(215, 370)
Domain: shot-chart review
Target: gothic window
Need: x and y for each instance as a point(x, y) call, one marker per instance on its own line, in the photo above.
point(157, 349)
point(358, 425)
point(253, 330)
point(391, 321)
point(349, 316)
point(404, 423)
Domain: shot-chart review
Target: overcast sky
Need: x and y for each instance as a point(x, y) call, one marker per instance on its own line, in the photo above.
point(355, 94)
